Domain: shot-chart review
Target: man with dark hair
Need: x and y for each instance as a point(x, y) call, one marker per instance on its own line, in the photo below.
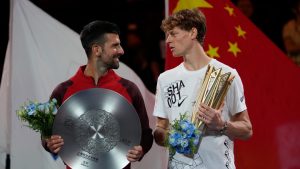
point(177, 93)
point(101, 42)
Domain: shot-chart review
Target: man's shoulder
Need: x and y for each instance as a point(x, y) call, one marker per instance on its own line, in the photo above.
point(64, 84)
point(60, 90)
point(62, 87)
point(128, 83)
point(171, 72)
point(225, 68)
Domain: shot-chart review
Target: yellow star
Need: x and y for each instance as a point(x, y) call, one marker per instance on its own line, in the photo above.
point(233, 48)
point(190, 4)
point(213, 52)
point(229, 10)
point(241, 32)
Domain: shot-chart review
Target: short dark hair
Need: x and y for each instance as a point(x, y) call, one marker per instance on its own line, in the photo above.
point(94, 32)
point(187, 19)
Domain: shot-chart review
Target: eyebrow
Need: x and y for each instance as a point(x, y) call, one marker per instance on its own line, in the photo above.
point(116, 44)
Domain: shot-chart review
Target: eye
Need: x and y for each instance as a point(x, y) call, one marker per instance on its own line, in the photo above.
point(174, 34)
point(118, 46)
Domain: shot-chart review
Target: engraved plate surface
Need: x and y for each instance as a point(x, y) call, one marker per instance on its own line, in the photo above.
point(98, 126)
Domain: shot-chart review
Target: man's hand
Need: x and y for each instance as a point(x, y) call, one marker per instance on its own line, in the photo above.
point(54, 143)
point(135, 154)
point(211, 117)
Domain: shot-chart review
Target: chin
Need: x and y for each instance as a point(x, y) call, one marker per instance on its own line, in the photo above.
point(176, 55)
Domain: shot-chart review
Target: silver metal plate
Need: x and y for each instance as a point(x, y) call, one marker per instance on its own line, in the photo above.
point(98, 126)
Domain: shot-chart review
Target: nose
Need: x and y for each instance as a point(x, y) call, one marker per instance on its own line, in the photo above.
point(168, 39)
point(121, 51)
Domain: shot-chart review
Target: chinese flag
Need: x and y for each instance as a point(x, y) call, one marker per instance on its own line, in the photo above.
point(271, 82)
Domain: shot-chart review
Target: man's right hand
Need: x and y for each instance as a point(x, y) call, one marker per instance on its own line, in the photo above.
point(54, 143)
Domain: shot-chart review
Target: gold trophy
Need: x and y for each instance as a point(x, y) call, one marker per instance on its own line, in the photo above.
point(212, 92)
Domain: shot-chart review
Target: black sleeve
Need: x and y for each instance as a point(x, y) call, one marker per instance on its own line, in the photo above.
point(147, 137)
point(59, 92)
point(139, 105)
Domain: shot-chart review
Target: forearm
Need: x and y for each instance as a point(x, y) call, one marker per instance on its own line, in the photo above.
point(239, 130)
point(147, 140)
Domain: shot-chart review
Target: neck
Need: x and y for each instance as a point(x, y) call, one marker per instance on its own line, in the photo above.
point(95, 70)
point(196, 58)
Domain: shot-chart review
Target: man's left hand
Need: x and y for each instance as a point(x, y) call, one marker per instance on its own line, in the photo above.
point(135, 154)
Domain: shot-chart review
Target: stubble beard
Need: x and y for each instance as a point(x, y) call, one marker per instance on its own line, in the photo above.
point(115, 64)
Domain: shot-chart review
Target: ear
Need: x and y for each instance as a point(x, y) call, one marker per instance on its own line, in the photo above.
point(96, 49)
point(194, 33)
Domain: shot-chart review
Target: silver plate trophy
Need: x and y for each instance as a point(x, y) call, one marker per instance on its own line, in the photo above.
point(98, 126)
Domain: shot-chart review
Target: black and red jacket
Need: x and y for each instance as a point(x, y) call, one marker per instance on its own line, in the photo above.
point(112, 82)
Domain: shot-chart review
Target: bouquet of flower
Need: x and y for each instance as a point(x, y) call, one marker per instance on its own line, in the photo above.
point(183, 137)
point(39, 116)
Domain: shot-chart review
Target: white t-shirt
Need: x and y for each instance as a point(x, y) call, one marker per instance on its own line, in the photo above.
point(176, 94)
